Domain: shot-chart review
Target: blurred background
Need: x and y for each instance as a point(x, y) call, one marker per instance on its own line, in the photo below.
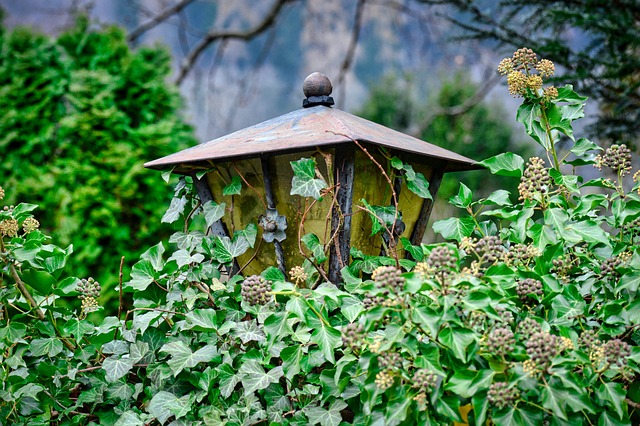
point(92, 89)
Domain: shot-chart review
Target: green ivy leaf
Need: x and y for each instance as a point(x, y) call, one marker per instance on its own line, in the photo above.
point(116, 367)
point(228, 380)
point(505, 164)
point(613, 395)
point(517, 416)
point(234, 188)
point(248, 331)
point(254, 377)
point(419, 185)
point(182, 357)
point(165, 404)
point(552, 400)
point(458, 340)
point(455, 228)
point(312, 242)
point(50, 346)
point(327, 338)
point(154, 256)
point(582, 146)
point(291, 358)
point(304, 182)
point(202, 320)
point(567, 94)
point(464, 197)
point(499, 198)
point(213, 212)
point(142, 274)
point(40, 281)
point(176, 208)
point(330, 417)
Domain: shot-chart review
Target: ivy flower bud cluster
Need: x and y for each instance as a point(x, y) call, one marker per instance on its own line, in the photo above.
point(30, 224)
point(608, 267)
point(298, 275)
point(353, 336)
point(501, 341)
point(388, 277)
point(89, 292)
point(529, 286)
point(9, 228)
point(526, 74)
point(616, 352)
point(501, 394)
point(255, 290)
point(489, 249)
point(541, 347)
point(528, 327)
point(617, 158)
point(535, 179)
point(1, 193)
point(520, 254)
point(442, 261)
point(424, 380)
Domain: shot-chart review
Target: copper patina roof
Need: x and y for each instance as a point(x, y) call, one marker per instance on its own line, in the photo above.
point(304, 129)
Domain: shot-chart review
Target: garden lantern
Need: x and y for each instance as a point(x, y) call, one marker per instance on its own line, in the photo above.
point(365, 186)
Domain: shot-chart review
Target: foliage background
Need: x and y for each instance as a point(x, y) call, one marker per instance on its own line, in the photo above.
point(79, 116)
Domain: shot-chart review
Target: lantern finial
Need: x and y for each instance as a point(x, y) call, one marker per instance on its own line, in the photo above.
point(317, 88)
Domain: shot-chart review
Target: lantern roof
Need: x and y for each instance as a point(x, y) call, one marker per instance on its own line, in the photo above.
point(316, 125)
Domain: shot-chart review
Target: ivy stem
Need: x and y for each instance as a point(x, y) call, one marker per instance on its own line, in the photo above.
point(25, 292)
point(552, 144)
point(313, 309)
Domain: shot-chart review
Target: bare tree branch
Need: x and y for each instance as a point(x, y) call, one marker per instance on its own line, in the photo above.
point(351, 50)
point(162, 16)
point(213, 36)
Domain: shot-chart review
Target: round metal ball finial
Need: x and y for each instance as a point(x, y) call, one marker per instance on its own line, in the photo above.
point(317, 88)
point(317, 84)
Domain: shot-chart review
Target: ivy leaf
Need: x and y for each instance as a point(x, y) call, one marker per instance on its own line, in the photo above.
point(528, 113)
point(567, 94)
point(165, 404)
point(176, 208)
point(552, 400)
point(464, 197)
point(234, 188)
point(612, 394)
point(182, 357)
point(517, 416)
point(505, 164)
point(202, 320)
point(142, 274)
point(328, 339)
point(419, 185)
point(213, 212)
point(228, 380)
point(455, 228)
point(457, 339)
point(248, 331)
point(154, 256)
point(50, 346)
point(382, 217)
point(330, 417)
point(116, 367)
point(77, 328)
point(499, 198)
point(582, 146)
point(312, 242)
point(41, 281)
point(183, 257)
point(608, 419)
point(291, 357)
point(255, 378)
point(585, 231)
point(304, 180)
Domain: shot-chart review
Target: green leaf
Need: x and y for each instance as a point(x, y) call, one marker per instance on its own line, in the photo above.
point(466, 383)
point(455, 228)
point(248, 331)
point(116, 367)
point(609, 419)
point(324, 417)
point(328, 339)
point(234, 188)
point(499, 197)
point(255, 378)
point(312, 242)
point(228, 380)
point(528, 113)
point(458, 340)
point(505, 164)
point(77, 328)
point(582, 146)
point(164, 404)
point(142, 274)
point(154, 256)
point(419, 186)
point(273, 274)
point(202, 320)
point(566, 94)
point(182, 357)
point(304, 180)
point(41, 281)
point(552, 400)
point(176, 208)
point(291, 358)
point(50, 346)
point(513, 416)
point(585, 231)
point(183, 257)
point(464, 197)
point(213, 212)
point(382, 217)
point(613, 395)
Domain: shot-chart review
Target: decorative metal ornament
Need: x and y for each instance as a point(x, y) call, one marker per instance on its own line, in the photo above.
point(273, 226)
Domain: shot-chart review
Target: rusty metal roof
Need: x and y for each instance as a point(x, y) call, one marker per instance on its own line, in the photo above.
point(305, 129)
